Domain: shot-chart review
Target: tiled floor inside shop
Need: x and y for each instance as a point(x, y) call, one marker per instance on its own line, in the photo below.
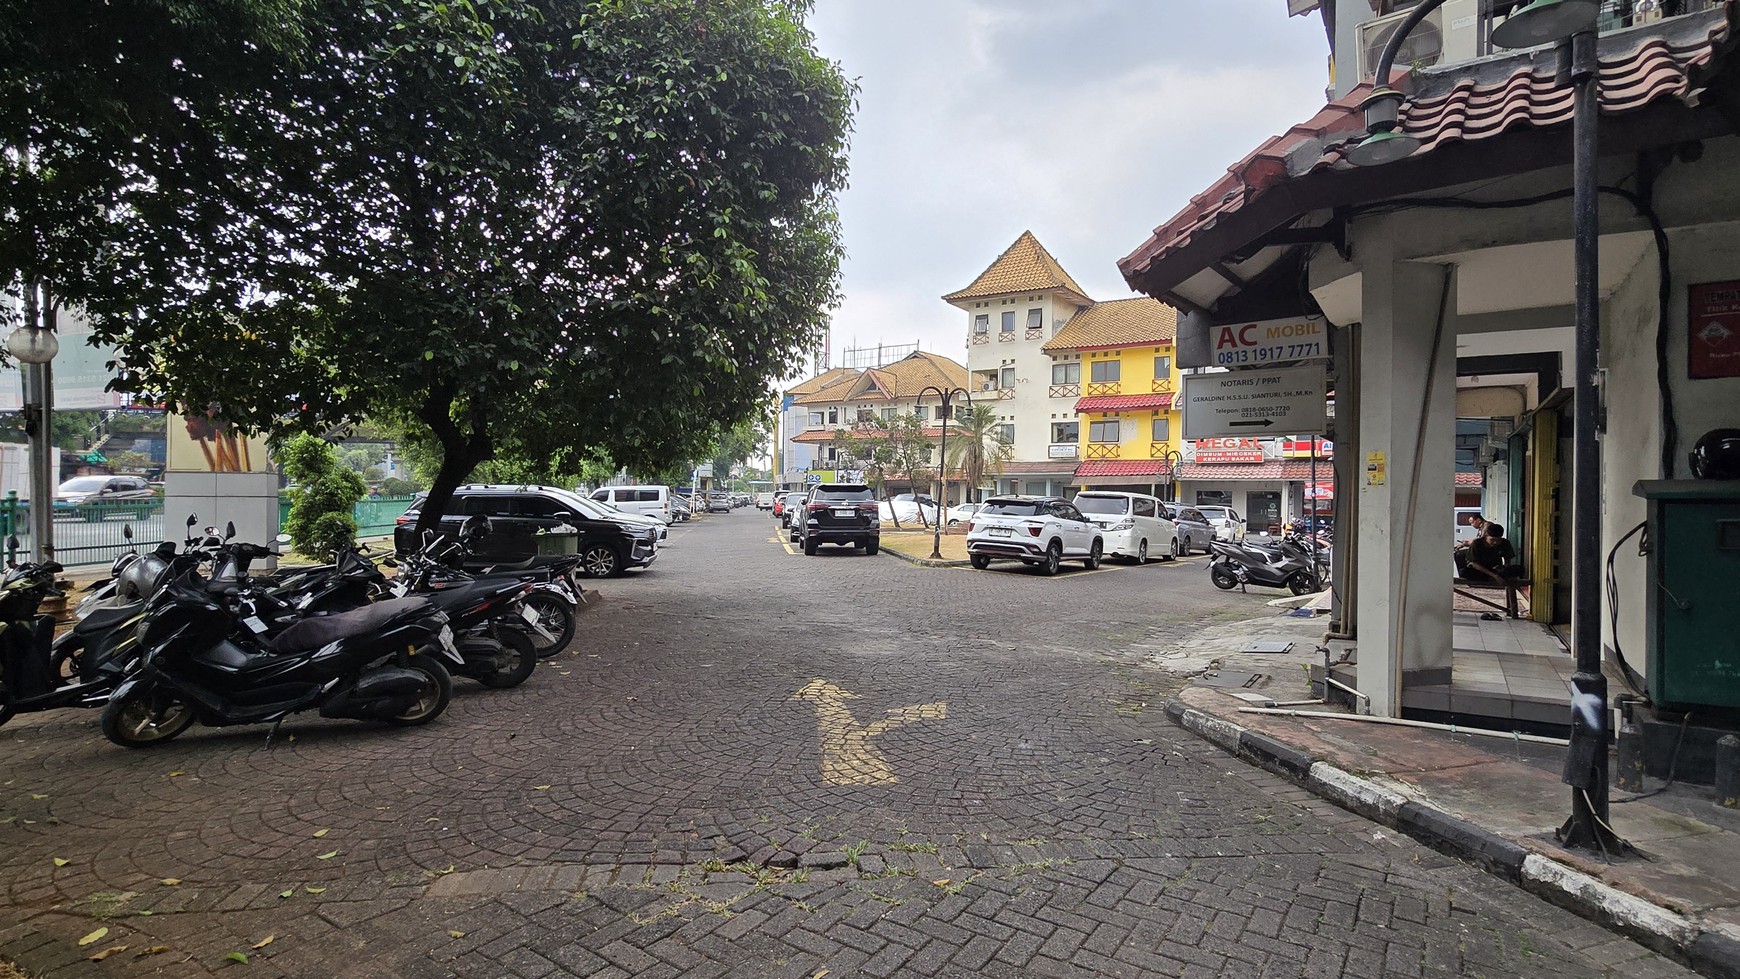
point(1504, 668)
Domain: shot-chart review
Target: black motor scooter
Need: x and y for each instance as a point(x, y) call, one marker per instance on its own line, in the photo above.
point(200, 663)
point(1288, 563)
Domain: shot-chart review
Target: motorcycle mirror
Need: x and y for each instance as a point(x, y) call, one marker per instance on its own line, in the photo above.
point(192, 519)
point(13, 542)
point(282, 538)
point(229, 530)
point(127, 531)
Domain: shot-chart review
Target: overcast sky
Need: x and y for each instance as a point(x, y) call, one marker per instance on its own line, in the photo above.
point(1088, 122)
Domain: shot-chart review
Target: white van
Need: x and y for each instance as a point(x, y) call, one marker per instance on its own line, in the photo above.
point(1131, 524)
point(651, 501)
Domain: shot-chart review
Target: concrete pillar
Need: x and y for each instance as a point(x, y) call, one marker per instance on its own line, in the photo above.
point(1404, 638)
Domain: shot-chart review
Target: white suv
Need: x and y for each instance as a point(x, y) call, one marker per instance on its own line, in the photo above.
point(1133, 525)
point(1038, 530)
point(1227, 523)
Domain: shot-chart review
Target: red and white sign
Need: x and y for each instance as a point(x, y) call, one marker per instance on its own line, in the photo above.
point(1302, 449)
point(1228, 450)
point(1320, 491)
point(1713, 315)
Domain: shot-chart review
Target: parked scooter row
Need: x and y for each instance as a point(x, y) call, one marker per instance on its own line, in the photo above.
point(183, 635)
point(1288, 562)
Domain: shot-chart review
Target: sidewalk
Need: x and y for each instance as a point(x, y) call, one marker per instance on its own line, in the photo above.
point(1495, 803)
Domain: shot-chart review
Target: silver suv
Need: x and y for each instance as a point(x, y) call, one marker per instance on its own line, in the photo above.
point(1194, 530)
point(1227, 523)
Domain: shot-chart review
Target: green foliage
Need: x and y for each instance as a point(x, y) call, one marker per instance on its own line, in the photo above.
point(532, 226)
point(323, 501)
point(977, 448)
point(738, 443)
point(394, 486)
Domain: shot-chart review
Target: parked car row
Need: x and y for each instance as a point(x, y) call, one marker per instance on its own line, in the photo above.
point(1045, 531)
point(530, 521)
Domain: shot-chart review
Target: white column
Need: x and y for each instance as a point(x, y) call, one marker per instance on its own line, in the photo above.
point(1405, 639)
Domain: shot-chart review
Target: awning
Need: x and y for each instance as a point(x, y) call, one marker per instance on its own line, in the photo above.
point(1125, 402)
point(1274, 471)
point(1101, 469)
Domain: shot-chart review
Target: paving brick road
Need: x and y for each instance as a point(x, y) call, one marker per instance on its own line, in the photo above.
point(753, 763)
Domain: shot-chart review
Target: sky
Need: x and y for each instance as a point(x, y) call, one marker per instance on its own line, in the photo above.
point(1088, 122)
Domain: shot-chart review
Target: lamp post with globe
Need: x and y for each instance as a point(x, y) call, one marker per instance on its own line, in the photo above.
point(34, 346)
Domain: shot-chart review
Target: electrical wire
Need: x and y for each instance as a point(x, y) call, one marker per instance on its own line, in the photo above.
point(1633, 679)
point(1673, 766)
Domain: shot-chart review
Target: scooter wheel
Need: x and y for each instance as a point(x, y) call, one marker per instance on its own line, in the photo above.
point(517, 661)
point(1302, 584)
point(436, 693)
point(1223, 579)
point(6, 711)
point(145, 718)
point(555, 615)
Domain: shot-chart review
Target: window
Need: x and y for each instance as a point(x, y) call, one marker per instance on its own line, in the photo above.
point(1162, 367)
point(982, 323)
point(1066, 431)
point(537, 506)
point(1066, 373)
point(1162, 429)
point(833, 416)
point(1103, 432)
point(1011, 508)
point(815, 419)
point(921, 412)
point(1144, 506)
point(865, 414)
point(1035, 319)
point(1066, 512)
point(1104, 370)
point(1008, 321)
point(888, 414)
point(1006, 378)
point(646, 496)
point(1006, 433)
point(833, 454)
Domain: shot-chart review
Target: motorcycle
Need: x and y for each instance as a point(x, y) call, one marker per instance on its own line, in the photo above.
point(1288, 563)
point(27, 681)
point(202, 661)
point(556, 590)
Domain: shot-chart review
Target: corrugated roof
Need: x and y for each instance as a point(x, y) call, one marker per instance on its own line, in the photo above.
point(1119, 323)
point(1458, 104)
point(1124, 402)
point(1118, 467)
point(1024, 266)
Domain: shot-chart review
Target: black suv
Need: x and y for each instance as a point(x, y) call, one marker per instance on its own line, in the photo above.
point(517, 513)
point(839, 513)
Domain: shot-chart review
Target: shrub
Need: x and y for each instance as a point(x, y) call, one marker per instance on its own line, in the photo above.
point(323, 499)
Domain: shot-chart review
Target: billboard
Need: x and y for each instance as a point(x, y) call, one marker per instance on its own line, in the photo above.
point(81, 372)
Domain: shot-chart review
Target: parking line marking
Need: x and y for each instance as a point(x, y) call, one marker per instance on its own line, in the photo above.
point(848, 757)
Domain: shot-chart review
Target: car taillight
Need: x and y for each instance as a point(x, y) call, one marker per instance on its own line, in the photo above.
point(867, 506)
point(969, 526)
point(402, 520)
point(813, 507)
point(1034, 529)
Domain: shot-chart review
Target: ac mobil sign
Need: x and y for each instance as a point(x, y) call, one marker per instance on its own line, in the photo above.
point(1202, 343)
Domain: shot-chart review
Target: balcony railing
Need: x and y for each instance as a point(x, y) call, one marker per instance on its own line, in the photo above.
point(1035, 333)
point(1162, 385)
point(1005, 394)
point(1097, 388)
point(1104, 450)
point(980, 339)
point(1066, 390)
point(1006, 337)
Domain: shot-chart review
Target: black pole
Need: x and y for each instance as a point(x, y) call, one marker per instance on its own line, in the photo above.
point(942, 482)
point(1586, 759)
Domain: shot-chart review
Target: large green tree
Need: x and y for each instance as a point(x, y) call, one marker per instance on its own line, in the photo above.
point(977, 447)
point(597, 227)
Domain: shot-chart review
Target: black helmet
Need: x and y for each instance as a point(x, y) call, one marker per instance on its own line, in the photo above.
point(1717, 455)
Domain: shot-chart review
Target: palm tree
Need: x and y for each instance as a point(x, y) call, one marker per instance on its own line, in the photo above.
point(979, 451)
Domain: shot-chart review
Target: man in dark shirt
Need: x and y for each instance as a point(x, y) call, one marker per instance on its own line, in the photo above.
point(1491, 556)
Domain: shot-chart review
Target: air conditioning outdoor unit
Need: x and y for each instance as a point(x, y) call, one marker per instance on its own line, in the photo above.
point(1448, 35)
point(989, 386)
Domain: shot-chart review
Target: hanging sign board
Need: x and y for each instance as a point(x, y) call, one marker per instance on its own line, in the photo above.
point(1713, 316)
point(1255, 403)
point(1269, 342)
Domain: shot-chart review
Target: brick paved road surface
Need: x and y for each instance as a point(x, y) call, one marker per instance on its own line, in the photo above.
point(983, 784)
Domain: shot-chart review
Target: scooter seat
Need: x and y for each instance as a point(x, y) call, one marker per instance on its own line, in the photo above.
point(317, 631)
point(104, 619)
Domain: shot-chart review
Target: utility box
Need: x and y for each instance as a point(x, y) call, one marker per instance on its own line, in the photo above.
point(1693, 592)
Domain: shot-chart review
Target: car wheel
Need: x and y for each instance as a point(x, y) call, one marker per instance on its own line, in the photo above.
point(1142, 552)
point(1223, 579)
point(600, 561)
point(980, 561)
point(873, 547)
point(1184, 548)
point(1053, 559)
point(1092, 562)
point(809, 545)
point(1172, 550)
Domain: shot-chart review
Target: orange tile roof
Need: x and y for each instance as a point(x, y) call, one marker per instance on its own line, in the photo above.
point(1119, 323)
point(820, 381)
point(898, 381)
point(1024, 266)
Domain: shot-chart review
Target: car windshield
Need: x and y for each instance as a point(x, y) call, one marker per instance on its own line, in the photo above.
point(1012, 508)
point(1118, 505)
point(84, 484)
point(844, 494)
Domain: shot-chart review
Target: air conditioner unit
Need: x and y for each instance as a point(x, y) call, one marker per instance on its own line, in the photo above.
point(1448, 35)
point(989, 386)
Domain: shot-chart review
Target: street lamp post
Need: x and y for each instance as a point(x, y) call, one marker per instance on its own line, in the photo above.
point(34, 345)
point(1572, 25)
point(946, 399)
point(1174, 461)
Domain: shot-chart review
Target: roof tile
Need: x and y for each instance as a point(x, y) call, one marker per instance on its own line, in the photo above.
point(1119, 467)
point(1024, 266)
point(1124, 402)
point(1119, 323)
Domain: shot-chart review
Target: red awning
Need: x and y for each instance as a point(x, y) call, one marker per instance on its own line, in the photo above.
point(1125, 402)
point(1289, 471)
point(1116, 467)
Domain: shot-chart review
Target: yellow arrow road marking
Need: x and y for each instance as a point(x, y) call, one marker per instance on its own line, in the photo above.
point(848, 757)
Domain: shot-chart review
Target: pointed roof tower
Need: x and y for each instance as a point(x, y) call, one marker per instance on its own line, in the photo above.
point(1024, 266)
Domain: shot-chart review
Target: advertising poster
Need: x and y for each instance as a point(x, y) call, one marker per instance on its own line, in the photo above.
point(1713, 320)
point(204, 443)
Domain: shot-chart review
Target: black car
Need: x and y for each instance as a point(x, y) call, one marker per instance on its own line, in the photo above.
point(839, 513)
point(517, 513)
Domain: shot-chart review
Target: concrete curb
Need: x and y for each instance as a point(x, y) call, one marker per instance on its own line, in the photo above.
point(924, 562)
point(1710, 952)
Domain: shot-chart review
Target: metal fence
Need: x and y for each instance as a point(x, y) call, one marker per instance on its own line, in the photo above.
point(375, 515)
point(84, 533)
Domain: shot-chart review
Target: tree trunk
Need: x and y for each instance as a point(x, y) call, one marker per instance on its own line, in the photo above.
point(461, 451)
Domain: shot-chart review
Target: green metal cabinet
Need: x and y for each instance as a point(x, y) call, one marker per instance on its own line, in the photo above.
point(1693, 592)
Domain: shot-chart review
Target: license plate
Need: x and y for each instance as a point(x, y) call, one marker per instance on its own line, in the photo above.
point(446, 638)
point(529, 614)
point(1000, 532)
point(845, 513)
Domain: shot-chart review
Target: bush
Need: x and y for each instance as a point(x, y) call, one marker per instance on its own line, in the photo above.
point(394, 486)
point(323, 503)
